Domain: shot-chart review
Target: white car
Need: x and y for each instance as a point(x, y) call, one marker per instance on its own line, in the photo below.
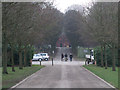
point(44, 56)
point(41, 56)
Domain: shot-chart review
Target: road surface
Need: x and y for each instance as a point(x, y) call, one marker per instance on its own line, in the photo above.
point(63, 75)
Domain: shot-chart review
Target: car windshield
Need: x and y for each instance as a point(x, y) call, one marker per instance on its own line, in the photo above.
point(43, 54)
point(36, 55)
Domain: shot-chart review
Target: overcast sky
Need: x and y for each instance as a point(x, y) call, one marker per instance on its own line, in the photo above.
point(62, 5)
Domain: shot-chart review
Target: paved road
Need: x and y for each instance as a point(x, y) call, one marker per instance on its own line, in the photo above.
point(63, 75)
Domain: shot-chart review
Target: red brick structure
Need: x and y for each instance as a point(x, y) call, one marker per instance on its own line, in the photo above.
point(62, 41)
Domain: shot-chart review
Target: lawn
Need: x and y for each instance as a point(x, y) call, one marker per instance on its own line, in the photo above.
point(0, 78)
point(8, 80)
point(106, 74)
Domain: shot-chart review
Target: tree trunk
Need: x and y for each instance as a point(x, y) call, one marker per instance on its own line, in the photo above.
point(4, 56)
point(12, 58)
point(105, 57)
point(102, 56)
point(113, 59)
point(31, 57)
point(95, 58)
point(24, 57)
point(20, 60)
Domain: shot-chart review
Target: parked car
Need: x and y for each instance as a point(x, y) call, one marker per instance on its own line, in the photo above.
point(41, 56)
point(36, 57)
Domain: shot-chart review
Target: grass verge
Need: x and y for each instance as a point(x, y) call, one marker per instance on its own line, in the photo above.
point(0, 78)
point(12, 78)
point(106, 74)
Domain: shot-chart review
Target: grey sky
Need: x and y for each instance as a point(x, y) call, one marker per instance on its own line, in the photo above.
point(62, 5)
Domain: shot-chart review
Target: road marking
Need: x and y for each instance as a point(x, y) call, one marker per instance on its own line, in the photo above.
point(99, 77)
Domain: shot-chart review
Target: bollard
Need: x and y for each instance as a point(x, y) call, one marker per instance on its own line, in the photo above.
point(86, 62)
point(95, 62)
point(40, 62)
point(52, 61)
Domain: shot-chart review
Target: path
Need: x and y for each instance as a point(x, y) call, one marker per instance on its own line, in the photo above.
point(63, 75)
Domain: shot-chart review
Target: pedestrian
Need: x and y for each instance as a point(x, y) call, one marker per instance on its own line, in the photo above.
point(71, 56)
point(66, 57)
point(62, 57)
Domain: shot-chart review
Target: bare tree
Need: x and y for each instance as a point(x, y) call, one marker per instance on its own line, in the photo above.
point(100, 21)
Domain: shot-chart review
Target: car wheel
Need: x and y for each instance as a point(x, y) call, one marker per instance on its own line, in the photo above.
point(40, 59)
point(46, 59)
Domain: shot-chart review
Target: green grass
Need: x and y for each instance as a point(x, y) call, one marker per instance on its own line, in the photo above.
point(12, 78)
point(0, 78)
point(106, 74)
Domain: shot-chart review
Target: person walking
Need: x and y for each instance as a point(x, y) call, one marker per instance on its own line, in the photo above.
point(62, 56)
point(71, 56)
point(66, 57)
